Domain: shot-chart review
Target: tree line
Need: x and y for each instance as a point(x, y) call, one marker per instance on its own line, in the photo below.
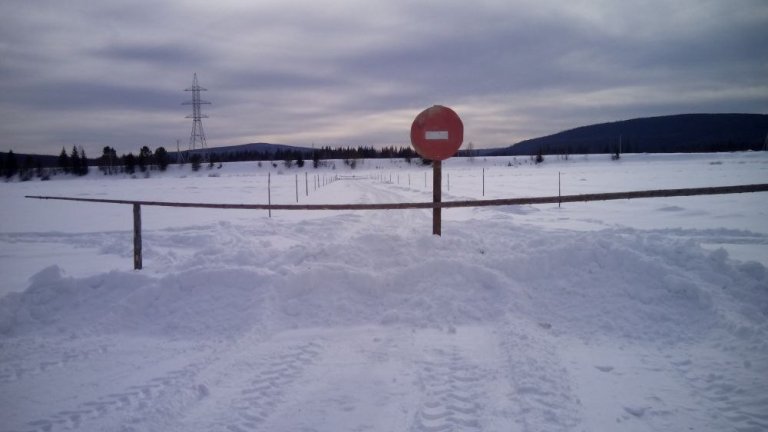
point(322, 153)
point(31, 166)
point(26, 167)
point(110, 163)
point(76, 162)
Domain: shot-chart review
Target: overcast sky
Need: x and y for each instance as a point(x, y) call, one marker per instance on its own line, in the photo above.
point(323, 72)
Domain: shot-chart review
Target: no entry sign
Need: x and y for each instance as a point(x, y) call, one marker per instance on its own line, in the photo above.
point(437, 133)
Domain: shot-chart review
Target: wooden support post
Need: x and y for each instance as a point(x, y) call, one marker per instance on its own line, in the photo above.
point(483, 181)
point(269, 193)
point(137, 261)
point(437, 180)
point(306, 183)
point(558, 189)
point(297, 188)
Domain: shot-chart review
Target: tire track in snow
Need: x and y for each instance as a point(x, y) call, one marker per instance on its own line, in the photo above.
point(731, 393)
point(461, 380)
point(54, 357)
point(132, 400)
point(453, 391)
point(542, 394)
point(133, 403)
point(265, 391)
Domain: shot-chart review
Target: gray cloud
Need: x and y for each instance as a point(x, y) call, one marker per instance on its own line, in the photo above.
point(158, 55)
point(337, 73)
point(86, 96)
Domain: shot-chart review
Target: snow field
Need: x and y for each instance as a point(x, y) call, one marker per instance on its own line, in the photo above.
point(601, 316)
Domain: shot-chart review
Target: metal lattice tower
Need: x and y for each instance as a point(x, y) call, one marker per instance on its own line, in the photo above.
point(198, 135)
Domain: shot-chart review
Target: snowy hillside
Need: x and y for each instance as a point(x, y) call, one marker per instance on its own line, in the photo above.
point(641, 315)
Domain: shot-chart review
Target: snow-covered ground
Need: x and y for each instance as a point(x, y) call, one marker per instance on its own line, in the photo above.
point(625, 316)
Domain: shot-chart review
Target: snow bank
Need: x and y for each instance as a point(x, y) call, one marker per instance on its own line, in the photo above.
point(614, 283)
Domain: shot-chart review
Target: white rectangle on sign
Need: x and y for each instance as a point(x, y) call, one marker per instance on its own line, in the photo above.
point(436, 135)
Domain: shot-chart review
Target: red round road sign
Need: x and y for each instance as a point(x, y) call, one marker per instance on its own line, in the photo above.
point(437, 133)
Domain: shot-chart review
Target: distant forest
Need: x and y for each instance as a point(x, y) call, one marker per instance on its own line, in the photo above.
point(75, 162)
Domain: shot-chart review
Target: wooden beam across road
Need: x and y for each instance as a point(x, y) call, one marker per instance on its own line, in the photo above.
point(661, 193)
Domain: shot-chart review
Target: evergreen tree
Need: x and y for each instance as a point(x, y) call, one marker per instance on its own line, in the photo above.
point(145, 156)
point(161, 158)
point(83, 163)
point(315, 159)
point(27, 169)
point(130, 163)
point(11, 165)
point(107, 160)
point(75, 160)
point(196, 160)
point(64, 162)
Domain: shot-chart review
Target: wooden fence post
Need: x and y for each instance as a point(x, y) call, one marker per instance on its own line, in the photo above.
point(137, 261)
point(437, 181)
point(269, 193)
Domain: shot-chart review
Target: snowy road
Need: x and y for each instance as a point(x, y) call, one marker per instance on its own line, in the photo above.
point(366, 322)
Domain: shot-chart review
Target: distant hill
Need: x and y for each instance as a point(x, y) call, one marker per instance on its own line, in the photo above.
point(263, 148)
point(666, 134)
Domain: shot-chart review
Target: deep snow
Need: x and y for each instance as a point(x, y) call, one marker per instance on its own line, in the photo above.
point(629, 315)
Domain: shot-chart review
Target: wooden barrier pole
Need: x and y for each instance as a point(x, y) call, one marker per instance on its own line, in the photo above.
point(437, 183)
point(137, 261)
point(436, 205)
point(297, 188)
point(718, 190)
